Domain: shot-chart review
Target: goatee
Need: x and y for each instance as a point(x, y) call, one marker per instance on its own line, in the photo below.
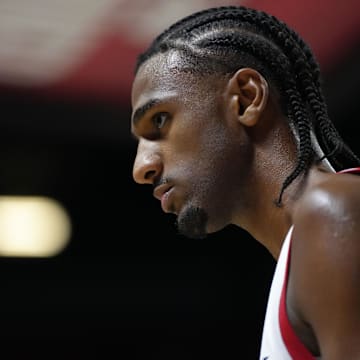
point(191, 223)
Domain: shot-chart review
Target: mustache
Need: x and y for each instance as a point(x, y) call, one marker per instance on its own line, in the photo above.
point(160, 181)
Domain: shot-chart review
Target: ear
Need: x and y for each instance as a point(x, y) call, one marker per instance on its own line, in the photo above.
point(248, 92)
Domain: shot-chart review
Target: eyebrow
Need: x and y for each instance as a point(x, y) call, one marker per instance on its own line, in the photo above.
point(142, 110)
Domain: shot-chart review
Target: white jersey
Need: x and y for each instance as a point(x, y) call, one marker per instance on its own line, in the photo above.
point(279, 341)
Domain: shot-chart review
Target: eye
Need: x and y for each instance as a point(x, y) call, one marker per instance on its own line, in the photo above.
point(159, 119)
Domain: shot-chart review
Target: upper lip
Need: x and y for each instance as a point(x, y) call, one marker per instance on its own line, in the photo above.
point(160, 190)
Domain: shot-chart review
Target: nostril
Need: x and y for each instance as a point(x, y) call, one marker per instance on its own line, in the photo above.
point(149, 174)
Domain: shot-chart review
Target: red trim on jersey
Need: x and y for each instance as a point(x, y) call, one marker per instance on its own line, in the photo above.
point(351, 170)
point(295, 347)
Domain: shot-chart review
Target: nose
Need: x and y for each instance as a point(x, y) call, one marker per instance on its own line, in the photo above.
point(148, 164)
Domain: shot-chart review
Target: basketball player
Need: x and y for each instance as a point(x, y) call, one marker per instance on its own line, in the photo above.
point(232, 128)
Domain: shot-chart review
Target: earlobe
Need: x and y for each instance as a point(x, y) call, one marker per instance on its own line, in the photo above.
point(250, 91)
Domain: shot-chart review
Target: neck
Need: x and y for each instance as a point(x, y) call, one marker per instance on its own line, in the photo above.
point(271, 222)
point(275, 157)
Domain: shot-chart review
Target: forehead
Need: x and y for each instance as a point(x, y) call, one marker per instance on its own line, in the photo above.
point(152, 75)
point(161, 75)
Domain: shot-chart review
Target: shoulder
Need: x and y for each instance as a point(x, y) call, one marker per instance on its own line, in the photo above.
point(325, 258)
point(327, 224)
point(327, 221)
point(333, 201)
point(327, 217)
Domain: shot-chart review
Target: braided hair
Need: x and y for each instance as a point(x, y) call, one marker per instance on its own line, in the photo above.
point(226, 38)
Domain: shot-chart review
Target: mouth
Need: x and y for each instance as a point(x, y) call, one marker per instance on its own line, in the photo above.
point(162, 193)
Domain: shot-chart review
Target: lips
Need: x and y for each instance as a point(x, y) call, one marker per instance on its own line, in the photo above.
point(162, 193)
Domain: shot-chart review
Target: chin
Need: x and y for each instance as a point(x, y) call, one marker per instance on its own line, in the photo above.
point(192, 222)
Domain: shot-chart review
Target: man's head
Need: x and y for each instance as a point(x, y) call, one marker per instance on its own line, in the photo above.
point(199, 89)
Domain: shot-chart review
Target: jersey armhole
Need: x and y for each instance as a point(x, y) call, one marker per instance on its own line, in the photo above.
point(294, 346)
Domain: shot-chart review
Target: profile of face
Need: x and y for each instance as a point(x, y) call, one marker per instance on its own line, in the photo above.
point(189, 149)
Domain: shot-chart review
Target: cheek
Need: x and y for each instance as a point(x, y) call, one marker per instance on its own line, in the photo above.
point(203, 151)
point(224, 167)
point(211, 161)
point(204, 145)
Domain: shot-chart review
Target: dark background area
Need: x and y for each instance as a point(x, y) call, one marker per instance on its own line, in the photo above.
point(127, 286)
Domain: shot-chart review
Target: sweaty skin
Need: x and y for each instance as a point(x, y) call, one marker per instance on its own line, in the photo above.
point(203, 134)
point(216, 149)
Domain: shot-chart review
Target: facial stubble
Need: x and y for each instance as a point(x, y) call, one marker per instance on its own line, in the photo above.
point(191, 222)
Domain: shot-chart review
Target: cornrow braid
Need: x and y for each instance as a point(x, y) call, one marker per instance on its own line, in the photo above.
point(226, 38)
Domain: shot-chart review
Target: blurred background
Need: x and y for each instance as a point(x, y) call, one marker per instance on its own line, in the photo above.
point(90, 267)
